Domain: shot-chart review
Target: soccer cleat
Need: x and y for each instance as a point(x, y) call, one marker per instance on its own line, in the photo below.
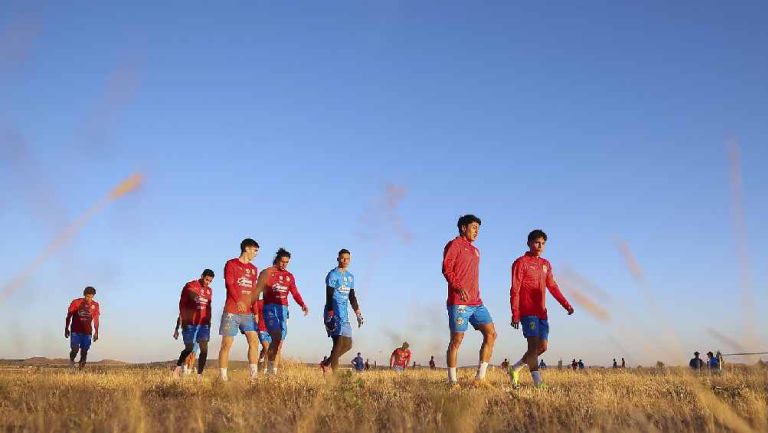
point(514, 376)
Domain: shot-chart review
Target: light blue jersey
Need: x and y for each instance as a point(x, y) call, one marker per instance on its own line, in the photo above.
point(341, 282)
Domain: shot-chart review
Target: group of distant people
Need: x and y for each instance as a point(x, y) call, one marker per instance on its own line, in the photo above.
point(257, 306)
point(714, 362)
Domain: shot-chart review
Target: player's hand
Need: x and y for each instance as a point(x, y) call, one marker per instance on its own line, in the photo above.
point(360, 319)
point(241, 307)
point(569, 310)
point(305, 309)
point(66, 333)
point(96, 337)
point(515, 323)
point(176, 334)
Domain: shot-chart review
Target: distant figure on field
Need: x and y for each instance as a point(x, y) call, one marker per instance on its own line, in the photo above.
point(531, 278)
point(559, 364)
point(696, 363)
point(623, 363)
point(432, 363)
point(505, 364)
point(400, 358)
point(720, 360)
point(712, 362)
point(615, 364)
point(195, 321)
point(81, 312)
point(581, 365)
point(542, 365)
point(358, 363)
point(367, 365)
point(574, 364)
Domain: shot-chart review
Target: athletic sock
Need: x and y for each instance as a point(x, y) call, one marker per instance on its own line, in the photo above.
point(254, 370)
point(518, 365)
point(536, 376)
point(481, 370)
point(452, 375)
point(223, 373)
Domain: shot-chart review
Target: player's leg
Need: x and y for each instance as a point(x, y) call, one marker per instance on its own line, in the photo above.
point(457, 323)
point(228, 329)
point(203, 358)
point(264, 340)
point(74, 347)
point(341, 345)
point(253, 352)
point(188, 334)
point(275, 347)
point(481, 320)
point(85, 345)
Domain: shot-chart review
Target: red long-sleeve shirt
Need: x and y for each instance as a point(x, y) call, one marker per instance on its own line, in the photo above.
point(240, 281)
point(400, 357)
point(258, 310)
point(81, 313)
point(279, 284)
point(461, 269)
point(195, 304)
point(531, 276)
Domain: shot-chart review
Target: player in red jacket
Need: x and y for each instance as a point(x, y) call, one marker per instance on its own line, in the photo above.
point(81, 312)
point(195, 318)
point(531, 277)
point(400, 358)
point(461, 269)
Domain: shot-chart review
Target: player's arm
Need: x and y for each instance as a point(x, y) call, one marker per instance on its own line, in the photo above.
point(392, 360)
point(514, 293)
point(70, 313)
point(356, 307)
point(96, 323)
point(297, 296)
point(407, 359)
point(450, 254)
point(176, 330)
point(261, 284)
point(230, 283)
point(554, 289)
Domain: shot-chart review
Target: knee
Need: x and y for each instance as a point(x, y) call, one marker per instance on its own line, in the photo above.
point(455, 342)
point(491, 336)
point(226, 344)
point(542, 347)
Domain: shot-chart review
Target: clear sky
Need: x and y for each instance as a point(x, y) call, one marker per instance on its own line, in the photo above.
point(372, 126)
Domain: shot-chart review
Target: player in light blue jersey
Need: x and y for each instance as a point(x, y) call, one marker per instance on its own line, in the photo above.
point(339, 294)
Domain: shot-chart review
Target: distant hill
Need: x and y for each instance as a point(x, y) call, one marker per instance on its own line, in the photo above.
point(40, 361)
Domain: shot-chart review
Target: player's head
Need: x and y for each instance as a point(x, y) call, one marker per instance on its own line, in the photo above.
point(344, 258)
point(282, 257)
point(249, 249)
point(405, 345)
point(469, 226)
point(206, 277)
point(89, 292)
point(536, 241)
point(358, 354)
point(696, 354)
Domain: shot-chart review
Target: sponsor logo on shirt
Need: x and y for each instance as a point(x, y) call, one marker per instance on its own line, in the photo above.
point(244, 281)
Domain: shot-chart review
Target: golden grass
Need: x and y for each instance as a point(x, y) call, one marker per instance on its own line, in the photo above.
point(301, 400)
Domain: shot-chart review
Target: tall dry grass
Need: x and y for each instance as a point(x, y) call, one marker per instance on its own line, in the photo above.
point(302, 400)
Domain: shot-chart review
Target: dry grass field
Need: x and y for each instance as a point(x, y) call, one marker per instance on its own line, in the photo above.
point(130, 399)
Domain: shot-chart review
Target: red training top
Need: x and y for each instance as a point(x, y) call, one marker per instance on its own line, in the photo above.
point(527, 296)
point(82, 313)
point(279, 283)
point(195, 304)
point(240, 280)
point(461, 268)
point(402, 357)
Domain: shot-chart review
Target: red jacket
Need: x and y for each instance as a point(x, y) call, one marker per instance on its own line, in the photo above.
point(195, 304)
point(240, 281)
point(531, 275)
point(461, 269)
point(82, 313)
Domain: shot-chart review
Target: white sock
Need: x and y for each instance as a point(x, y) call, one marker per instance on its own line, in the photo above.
point(481, 370)
point(518, 365)
point(223, 373)
point(452, 374)
point(254, 369)
point(536, 375)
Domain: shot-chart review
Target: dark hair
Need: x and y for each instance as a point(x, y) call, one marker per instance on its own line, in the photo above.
point(538, 233)
point(466, 220)
point(282, 252)
point(344, 251)
point(208, 273)
point(248, 242)
point(89, 291)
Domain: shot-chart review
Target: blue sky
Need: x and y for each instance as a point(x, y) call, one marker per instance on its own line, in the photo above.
point(596, 121)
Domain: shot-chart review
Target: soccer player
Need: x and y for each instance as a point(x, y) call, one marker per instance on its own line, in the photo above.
point(189, 363)
point(432, 365)
point(195, 315)
point(461, 269)
point(240, 280)
point(264, 339)
point(400, 358)
point(531, 276)
point(358, 363)
point(339, 293)
point(81, 312)
point(277, 282)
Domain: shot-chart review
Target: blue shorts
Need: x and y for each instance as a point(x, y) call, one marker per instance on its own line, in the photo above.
point(335, 327)
point(79, 341)
point(535, 327)
point(264, 337)
point(231, 323)
point(193, 334)
point(460, 315)
point(276, 317)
